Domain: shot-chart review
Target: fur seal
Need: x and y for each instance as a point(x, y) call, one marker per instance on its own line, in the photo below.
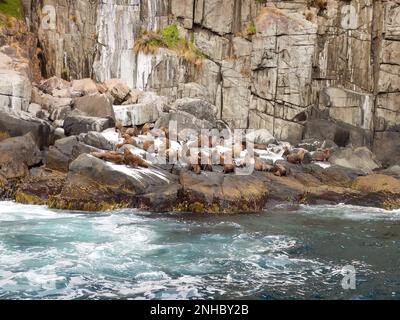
point(260, 165)
point(280, 170)
point(196, 168)
point(127, 140)
point(148, 144)
point(296, 158)
point(133, 160)
point(110, 156)
point(146, 128)
point(229, 168)
point(322, 155)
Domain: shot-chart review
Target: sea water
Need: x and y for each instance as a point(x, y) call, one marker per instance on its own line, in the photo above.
point(282, 253)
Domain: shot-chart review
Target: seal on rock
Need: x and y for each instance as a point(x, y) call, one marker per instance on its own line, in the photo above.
point(110, 156)
point(133, 160)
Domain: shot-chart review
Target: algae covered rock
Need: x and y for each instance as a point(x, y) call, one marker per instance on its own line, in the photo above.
point(95, 185)
point(219, 193)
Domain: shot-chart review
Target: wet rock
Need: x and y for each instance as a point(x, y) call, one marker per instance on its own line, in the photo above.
point(77, 124)
point(219, 193)
point(95, 185)
point(38, 187)
point(377, 183)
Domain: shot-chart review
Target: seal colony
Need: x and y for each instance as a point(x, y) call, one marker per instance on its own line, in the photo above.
point(100, 160)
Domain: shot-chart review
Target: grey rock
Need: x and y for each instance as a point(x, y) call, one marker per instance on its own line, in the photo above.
point(97, 140)
point(136, 114)
point(19, 123)
point(17, 155)
point(360, 158)
point(199, 108)
point(77, 124)
point(97, 105)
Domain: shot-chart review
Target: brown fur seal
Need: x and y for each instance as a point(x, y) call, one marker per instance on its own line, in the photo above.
point(133, 160)
point(321, 155)
point(229, 168)
point(132, 131)
point(110, 156)
point(147, 127)
point(296, 158)
point(148, 144)
point(196, 168)
point(280, 170)
point(127, 140)
point(260, 165)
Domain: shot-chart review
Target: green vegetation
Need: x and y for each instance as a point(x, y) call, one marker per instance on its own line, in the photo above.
point(11, 8)
point(251, 29)
point(169, 37)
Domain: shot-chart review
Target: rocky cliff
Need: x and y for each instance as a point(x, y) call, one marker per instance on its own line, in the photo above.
point(90, 88)
point(278, 65)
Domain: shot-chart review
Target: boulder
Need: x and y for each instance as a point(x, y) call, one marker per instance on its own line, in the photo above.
point(118, 90)
point(261, 136)
point(219, 193)
point(340, 133)
point(34, 109)
point(15, 90)
point(97, 105)
point(355, 158)
point(97, 140)
point(136, 114)
point(39, 186)
point(377, 183)
point(60, 113)
point(201, 109)
point(133, 97)
point(151, 97)
point(95, 185)
point(77, 124)
point(387, 147)
point(19, 123)
point(65, 151)
point(17, 155)
point(393, 171)
point(53, 84)
point(183, 121)
point(83, 87)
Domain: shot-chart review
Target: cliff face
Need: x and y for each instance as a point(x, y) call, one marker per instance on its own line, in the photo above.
point(298, 68)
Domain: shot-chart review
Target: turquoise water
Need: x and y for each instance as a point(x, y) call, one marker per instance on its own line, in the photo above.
point(282, 253)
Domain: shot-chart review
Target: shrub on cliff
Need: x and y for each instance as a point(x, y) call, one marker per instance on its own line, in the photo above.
point(150, 42)
point(11, 8)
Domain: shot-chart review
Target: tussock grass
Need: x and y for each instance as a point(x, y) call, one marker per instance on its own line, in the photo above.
point(11, 8)
point(169, 37)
